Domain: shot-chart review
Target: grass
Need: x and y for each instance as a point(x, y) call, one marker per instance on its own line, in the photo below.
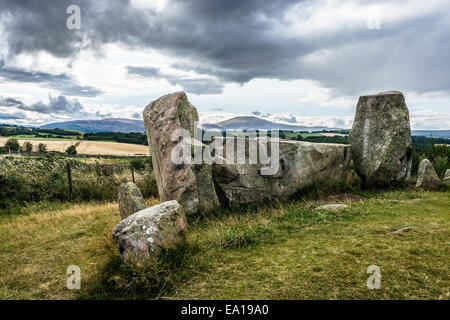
point(290, 135)
point(276, 251)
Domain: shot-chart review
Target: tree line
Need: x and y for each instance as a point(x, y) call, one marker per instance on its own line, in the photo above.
point(13, 145)
point(131, 137)
point(11, 130)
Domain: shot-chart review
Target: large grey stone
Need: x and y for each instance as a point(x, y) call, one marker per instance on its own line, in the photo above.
point(300, 164)
point(141, 237)
point(190, 184)
point(381, 139)
point(130, 199)
point(426, 176)
point(447, 176)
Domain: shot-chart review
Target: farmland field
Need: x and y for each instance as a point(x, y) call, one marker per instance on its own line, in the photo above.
point(88, 147)
point(111, 148)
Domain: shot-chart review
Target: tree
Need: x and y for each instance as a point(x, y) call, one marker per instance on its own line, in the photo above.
point(71, 150)
point(12, 144)
point(27, 147)
point(42, 148)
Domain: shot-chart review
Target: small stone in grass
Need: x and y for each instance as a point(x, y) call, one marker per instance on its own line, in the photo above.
point(333, 206)
point(406, 229)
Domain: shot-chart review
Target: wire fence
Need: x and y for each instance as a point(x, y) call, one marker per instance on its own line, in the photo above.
point(37, 179)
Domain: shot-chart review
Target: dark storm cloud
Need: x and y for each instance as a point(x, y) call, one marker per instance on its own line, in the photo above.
point(10, 102)
point(229, 36)
point(39, 25)
point(290, 118)
point(61, 82)
point(103, 115)
point(192, 85)
point(237, 41)
point(59, 105)
point(12, 116)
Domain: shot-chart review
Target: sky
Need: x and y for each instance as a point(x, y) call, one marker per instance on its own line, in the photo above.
point(297, 62)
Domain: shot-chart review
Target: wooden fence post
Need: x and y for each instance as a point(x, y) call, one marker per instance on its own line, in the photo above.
point(132, 174)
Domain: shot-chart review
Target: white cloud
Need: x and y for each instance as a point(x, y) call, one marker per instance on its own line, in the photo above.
point(315, 18)
point(157, 5)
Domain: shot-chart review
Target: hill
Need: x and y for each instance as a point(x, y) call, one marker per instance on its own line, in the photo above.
point(249, 122)
point(133, 125)
point(103, 125)
point(432, 133)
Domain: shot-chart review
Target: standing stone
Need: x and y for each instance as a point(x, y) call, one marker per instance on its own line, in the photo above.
point(381, 139)
point(426, 176)
point(142, 236)
point(130, 199)
point(447, 176)
point(190, 184)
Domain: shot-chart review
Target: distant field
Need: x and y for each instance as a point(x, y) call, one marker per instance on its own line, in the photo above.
point(317, 134)
point(88, 147)
point(291, 135)
point(111, 148)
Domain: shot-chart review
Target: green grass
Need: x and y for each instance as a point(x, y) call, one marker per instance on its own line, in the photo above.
point(277, 251)
point(290, 135)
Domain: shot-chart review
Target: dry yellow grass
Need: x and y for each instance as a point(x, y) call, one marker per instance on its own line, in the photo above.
point(112, 148)
point(37, 247)
point(80, 235)
point(89, 147)
point(280, 251)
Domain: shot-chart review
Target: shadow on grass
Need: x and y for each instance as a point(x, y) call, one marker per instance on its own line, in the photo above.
point(171, 269)
point(118, 280)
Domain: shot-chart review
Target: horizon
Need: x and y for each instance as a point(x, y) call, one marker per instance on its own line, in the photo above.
point(204, 122)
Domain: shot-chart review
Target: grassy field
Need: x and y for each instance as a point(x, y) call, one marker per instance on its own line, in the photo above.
point(112, 148)
point(88, 147)
point(291, 135)
point(277, 251)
